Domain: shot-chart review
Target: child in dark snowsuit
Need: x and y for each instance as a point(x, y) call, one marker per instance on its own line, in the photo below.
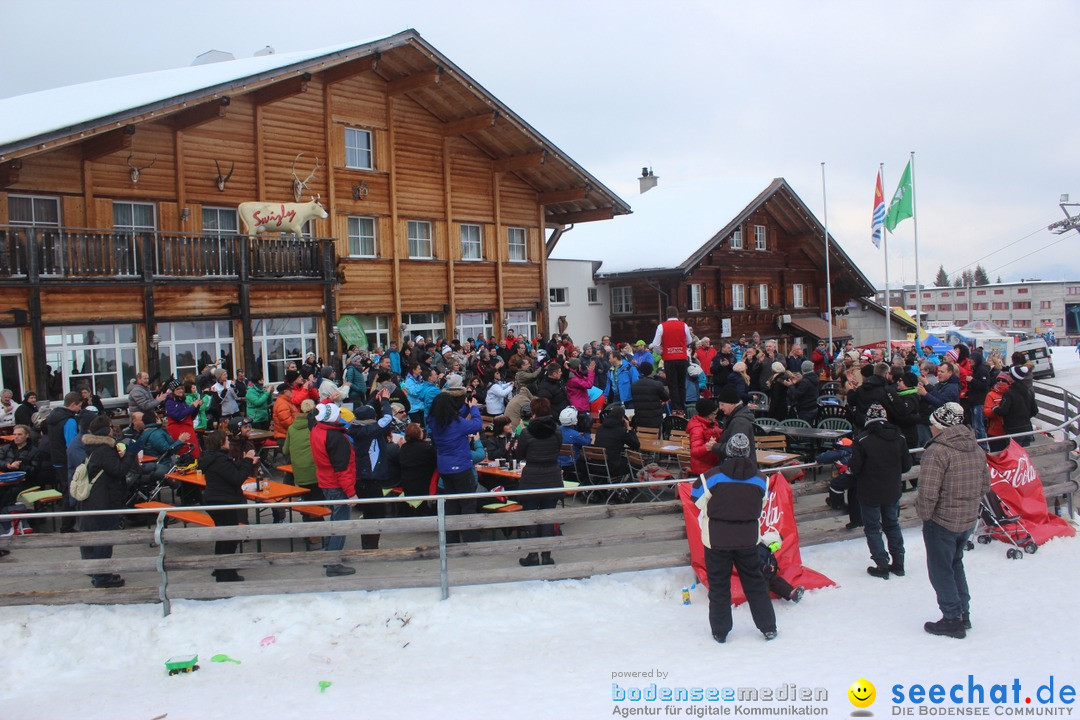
point(840, 457)
point(769, 545)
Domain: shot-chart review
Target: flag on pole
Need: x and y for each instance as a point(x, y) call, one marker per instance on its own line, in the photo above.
point(879, 213)
point(900, 208)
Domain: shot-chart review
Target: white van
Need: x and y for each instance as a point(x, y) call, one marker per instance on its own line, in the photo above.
point(1037, 352)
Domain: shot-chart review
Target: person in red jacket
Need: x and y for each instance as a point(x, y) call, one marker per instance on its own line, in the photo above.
point(821, 357)
point(705, 354)
point(335, 471)
point(672, 341)
point(701, 428)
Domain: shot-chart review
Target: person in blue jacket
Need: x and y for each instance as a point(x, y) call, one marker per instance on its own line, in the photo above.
point(395, 358)
point(620, 377)
point(453, 420)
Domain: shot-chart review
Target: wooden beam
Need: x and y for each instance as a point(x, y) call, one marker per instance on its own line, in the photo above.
point(519, 162)
point(561, 196)
point(349, 69)
point(581, 216)
point(108, 143)
point(470, 124)
point(9, 172)
point(282, 90)
point(200, 115)
point(414, 82)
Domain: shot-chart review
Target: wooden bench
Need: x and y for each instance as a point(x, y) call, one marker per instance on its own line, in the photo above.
point(313, 511)
point(188, 517)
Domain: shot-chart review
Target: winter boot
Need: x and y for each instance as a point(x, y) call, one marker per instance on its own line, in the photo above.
point(835, 500)
point(769, 634)
point(339, 570)
point(530, 560)
point(796, 594)
point(881, 570)
point(545, 559)
point(948, 628)
point(965, 618)
point(719, 638)
point(897, 565)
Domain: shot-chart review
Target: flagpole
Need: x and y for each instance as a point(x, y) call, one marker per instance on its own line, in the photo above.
point(888, 301)
point(918, 288)
point(828, 278)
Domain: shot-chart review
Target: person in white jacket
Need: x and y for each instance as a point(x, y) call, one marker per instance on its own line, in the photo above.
point(498, 394)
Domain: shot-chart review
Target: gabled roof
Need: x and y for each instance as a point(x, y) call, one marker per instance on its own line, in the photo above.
point(37, 122)
point(900, 317)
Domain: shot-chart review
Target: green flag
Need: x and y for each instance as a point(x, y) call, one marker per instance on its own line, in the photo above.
point(901, 207)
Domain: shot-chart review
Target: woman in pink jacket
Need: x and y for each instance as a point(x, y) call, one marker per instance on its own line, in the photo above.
point(577, 387)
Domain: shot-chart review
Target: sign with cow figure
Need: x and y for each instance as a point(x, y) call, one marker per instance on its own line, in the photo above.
point(260, 217)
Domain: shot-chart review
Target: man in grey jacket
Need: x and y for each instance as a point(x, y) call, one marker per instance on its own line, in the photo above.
point(952, 480)
point(141, 398)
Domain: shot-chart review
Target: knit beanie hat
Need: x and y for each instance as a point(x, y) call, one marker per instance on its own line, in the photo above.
point(947, 415)
point(574, 363)
point(728, 395)
point(875, 413)
point(1020, 372)
point(807, 367)
point(778, 367)
point(327, 413)
point(738, 446)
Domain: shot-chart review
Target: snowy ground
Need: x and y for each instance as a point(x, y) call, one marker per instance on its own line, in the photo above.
point(551, 650)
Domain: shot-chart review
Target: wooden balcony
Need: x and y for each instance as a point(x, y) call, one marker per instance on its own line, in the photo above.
point(44, 256)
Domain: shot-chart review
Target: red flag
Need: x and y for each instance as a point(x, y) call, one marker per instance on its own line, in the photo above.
point(878, 222)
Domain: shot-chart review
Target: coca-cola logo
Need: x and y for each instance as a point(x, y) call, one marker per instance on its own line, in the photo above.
point(770, 516)
point(1023, 473)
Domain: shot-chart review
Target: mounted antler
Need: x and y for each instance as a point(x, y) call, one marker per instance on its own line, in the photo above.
point(300, 185)
point(221, 180)
point(135, 171)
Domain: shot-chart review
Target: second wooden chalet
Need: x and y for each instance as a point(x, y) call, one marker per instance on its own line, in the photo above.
point(121, 247)
point(764, 271)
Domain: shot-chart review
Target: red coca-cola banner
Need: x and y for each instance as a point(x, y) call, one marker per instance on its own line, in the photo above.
point(778, 514)
point(1016, 481)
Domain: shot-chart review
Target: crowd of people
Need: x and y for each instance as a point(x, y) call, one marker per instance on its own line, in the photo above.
point(419, 417)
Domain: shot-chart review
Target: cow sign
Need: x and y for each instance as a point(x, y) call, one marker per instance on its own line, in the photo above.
point(279, 217)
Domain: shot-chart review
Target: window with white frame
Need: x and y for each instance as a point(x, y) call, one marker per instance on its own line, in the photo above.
point(99, 357)
point(516, 242)
point(420, 240)
point(558, 296)
point(219, 221)
point(522, 322)
point(622, 300)
point(376, 330)
point(361, 237)
point(736, 239)
point(134, 217)
point(281, 341)
point(471, 243)
point(593, 295)
point(358, 149)
point(185, 348)
point(220, 257)
point(694, 297)
point(797, 295)
point(738, 296)
point(11, 374)
point(473, 325)
point(759, 238)
point(430, 325)
point(763, 296)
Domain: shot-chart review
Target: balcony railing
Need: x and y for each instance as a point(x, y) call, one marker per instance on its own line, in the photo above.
point(52, 254)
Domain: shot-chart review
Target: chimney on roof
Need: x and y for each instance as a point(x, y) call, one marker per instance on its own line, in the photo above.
point(268, 50)
point(213, 56)
point(647, 181)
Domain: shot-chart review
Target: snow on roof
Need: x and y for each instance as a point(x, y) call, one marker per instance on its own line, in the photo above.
point(33, 114)
point(669, 223)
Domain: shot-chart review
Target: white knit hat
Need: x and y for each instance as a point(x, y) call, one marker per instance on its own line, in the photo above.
point(327, 413)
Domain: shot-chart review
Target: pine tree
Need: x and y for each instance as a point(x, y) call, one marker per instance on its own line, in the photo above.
point(958, 281)
point(999, 279)
point(968, 276)
point(981, 278)
point(942, 279)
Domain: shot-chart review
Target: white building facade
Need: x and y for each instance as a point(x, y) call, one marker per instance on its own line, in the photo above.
point(575, 299)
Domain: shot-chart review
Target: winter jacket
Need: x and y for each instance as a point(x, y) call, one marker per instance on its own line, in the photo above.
point(649, 395)
point(500, 447)
point(230, 404)
point(258, 403)
point(620, 380)
point(741, 388)
point(1016, 409)
point(943, 392)
point(140, 399)
point(452, 442)
point(906, 414)
point(701, 430)
point(705, 357)
point(27, 456)
point(874, 389)
point(721, 368)
point(740, 421)
point(297, 450)
point(953, 477)
point(995, 426)
point(804, 394)
point(576, 440)
point(613, 436)
point(731, 500)
point(964, 371)
point(878, 458)
point(538, 445)
point(369, 440)
point(980, 382)
point(284, 415)
point(577, 389)
point(425, 395)
point(224, 477)
point(60, 428)
point(335, 461)
point(416, 465)
point(513, 408)
point(497, 396)
point(110, 490)
point(553, 390)
point(778, 400)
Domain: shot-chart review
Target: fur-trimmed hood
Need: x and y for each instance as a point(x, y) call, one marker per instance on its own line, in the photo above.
point(91, 440)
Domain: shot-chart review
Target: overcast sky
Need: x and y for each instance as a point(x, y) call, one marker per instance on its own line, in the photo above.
point(717, 97)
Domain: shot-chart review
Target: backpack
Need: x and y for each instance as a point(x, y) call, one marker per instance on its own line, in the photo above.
point(81, 484)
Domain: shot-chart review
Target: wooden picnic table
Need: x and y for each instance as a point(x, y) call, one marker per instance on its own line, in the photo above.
point(271, 491)
point(257, 435)
point(765, 458)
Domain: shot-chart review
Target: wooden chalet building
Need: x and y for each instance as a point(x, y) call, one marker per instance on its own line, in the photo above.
point(763, 271)
point(121, 249)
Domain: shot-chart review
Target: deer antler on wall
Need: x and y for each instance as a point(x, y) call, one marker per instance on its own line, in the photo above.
point(222, 179)
point(300, 185)
point(136, 171)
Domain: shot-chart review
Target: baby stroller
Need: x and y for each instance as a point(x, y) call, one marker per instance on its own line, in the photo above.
point(996, 522)
point(146, 483)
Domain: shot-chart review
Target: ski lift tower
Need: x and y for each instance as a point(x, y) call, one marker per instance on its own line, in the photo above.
point(1071, 222)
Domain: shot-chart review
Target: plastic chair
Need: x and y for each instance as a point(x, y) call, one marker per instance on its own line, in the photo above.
point(670, 423)
point(794, 423)
point(829, 388)
point(834, 423)
point(765, 425)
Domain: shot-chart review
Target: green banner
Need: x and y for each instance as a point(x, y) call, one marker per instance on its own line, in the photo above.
point(352, 331)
